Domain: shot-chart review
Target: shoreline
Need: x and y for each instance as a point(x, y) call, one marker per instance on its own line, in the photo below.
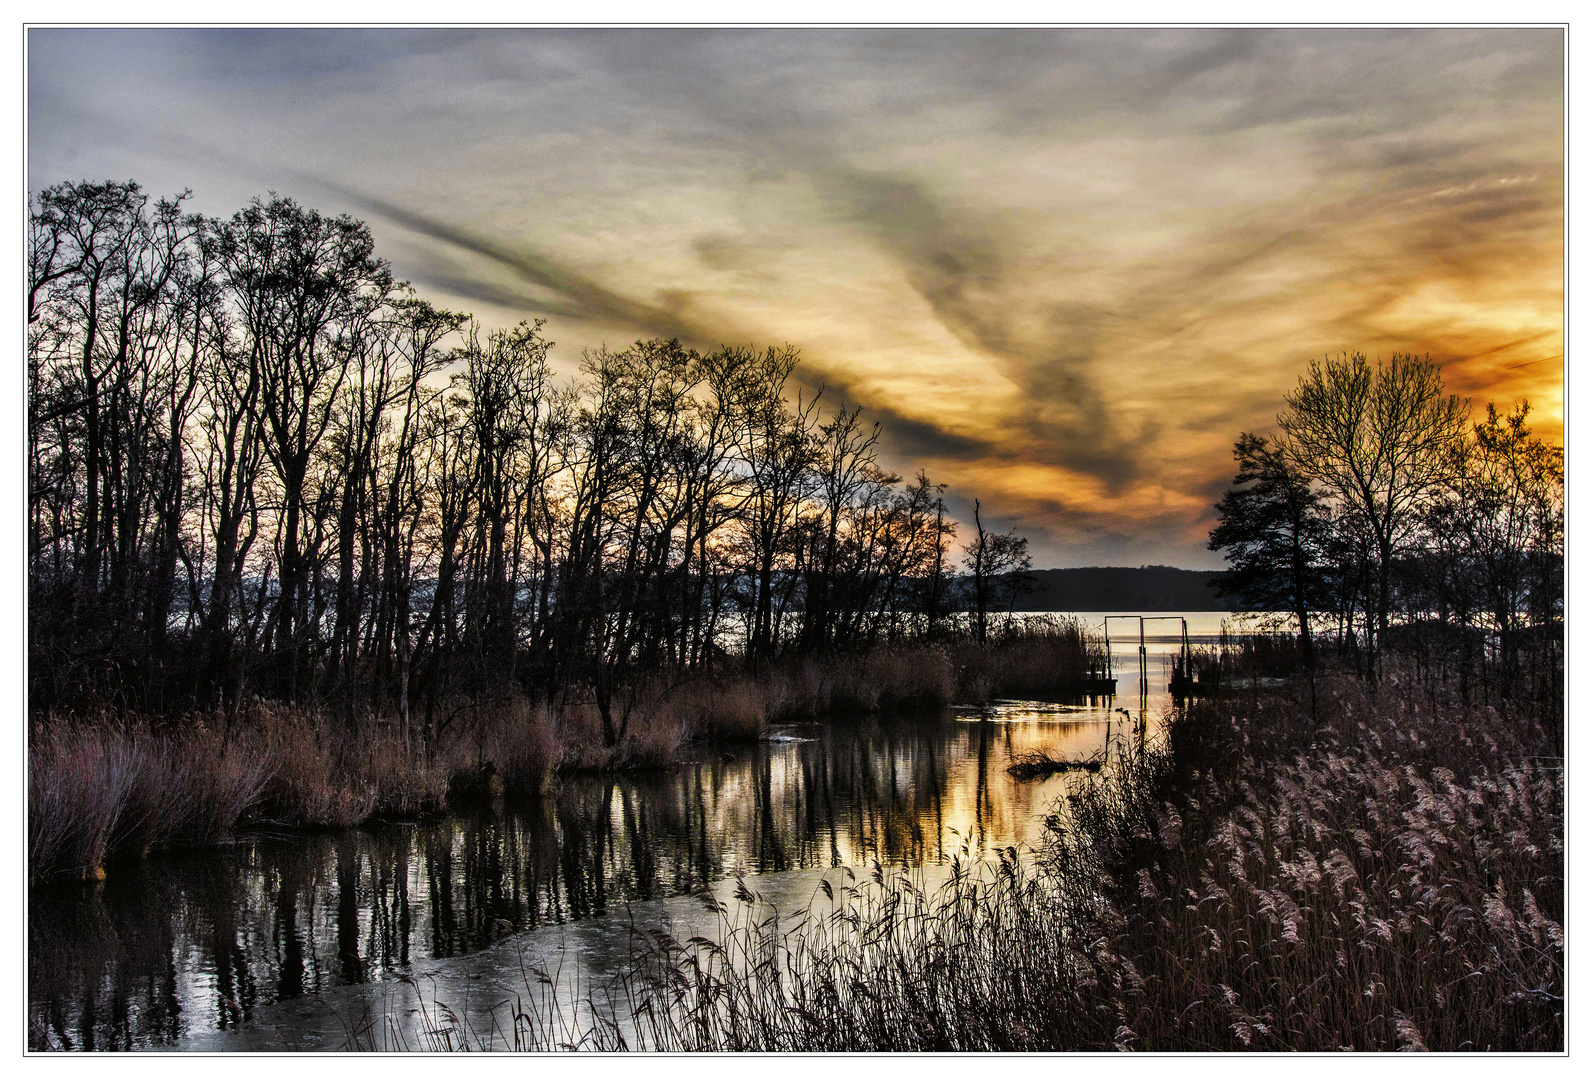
point(1386, 877)
point(104, 790)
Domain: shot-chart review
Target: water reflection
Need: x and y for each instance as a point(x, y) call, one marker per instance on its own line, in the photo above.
point(183, 945)
point(195, 942)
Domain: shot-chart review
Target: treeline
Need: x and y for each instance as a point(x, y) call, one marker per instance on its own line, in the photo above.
point(262, 466)
point(1123, 589)
point(1385, 514)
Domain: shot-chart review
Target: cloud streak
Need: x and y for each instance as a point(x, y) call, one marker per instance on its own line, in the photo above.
point(578, 297)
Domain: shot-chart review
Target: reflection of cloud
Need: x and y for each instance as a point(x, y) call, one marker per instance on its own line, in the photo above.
point(1065, 267)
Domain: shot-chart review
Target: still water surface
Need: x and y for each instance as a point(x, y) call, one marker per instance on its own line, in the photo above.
point(274, 942)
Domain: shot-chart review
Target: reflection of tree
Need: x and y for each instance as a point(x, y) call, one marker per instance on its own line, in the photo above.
point(582, 842)
point(353, 968)
point(387, 943)
point(902, 838)
point(981, 791)
point(827, 772)
point(286, 939)
point(770, 848)
point(643, 860)
point(890, 784)
point(284, 920)
point(698, 798)
point(224, 915)
point(102, 971)
point(439, 881)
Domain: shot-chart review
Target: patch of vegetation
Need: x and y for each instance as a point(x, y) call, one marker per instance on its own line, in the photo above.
point(1388, 876)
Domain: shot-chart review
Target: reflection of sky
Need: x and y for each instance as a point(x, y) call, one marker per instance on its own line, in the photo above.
point(1065, 267)
point(224, 926)
point(910, 790)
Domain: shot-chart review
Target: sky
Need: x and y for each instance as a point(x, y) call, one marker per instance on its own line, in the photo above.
point(1064, 268)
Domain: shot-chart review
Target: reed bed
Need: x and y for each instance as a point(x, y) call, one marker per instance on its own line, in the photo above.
point(1390, 881)
point(1388, 878)
point(1043, 655)
point(97, 791)
point(1038, 656)
point(104, 787)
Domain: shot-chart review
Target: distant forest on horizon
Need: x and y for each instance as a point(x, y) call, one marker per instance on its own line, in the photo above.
point(1126, 589)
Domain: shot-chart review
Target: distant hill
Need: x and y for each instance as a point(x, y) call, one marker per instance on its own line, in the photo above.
point(1125, 589)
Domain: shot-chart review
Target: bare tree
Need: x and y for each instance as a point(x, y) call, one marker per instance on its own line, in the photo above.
point(1499, 526)
point(997, 566)
point(776, 446)
point(1379, 439)
point(307, 290)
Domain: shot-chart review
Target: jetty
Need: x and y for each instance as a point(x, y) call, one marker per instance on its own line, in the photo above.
point(1185, 680)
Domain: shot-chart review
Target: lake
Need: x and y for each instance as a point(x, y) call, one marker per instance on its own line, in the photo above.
point(280, 941)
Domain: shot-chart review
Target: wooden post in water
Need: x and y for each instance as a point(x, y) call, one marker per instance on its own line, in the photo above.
point(1144, 663)
point(1144, 668)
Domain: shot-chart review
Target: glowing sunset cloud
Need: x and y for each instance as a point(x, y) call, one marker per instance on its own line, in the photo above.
point(1065, 267)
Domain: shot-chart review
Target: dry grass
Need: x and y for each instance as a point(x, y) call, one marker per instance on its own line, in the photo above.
point(722, 710)
point(98, 790)
point(887, 678)
point(102, 789)
point(1390, 879)
point(653, 732)
point(1045, 654)
point(1392, 883)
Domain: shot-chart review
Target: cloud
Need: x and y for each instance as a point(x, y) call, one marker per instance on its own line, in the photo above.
point(963, 268)
point(581, 297)
point(1065, 268)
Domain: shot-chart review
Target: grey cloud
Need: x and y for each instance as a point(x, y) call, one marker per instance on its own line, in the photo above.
point(956, 262)
point(583, 298)
point(719, 252)
point(473, 287)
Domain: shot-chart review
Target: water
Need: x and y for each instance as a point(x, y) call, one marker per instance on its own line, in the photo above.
point(284, 941)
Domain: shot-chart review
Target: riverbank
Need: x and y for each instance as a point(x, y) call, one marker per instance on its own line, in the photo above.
point(105, 789)
point(1385, 875)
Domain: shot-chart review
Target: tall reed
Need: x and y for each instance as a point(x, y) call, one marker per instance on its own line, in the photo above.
point(103, 788)
point(1390, 878)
